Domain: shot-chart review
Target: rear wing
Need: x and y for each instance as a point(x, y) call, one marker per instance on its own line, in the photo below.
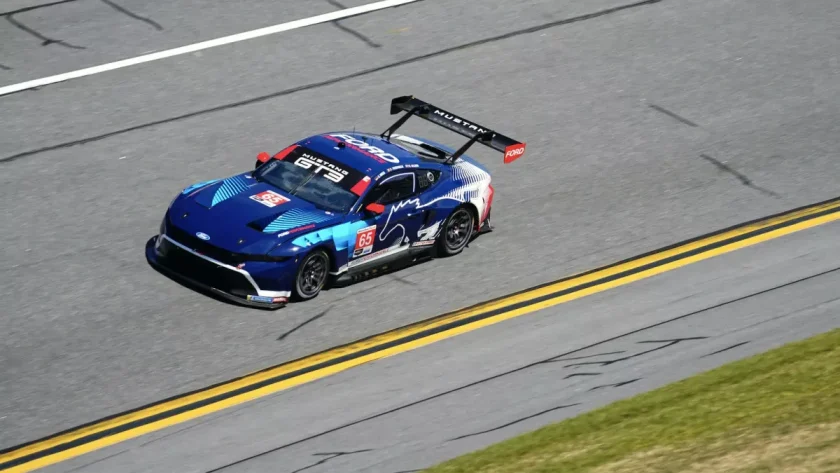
point(512, 149)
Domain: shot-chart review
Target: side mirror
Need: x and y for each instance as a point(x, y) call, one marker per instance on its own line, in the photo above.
point(262, 158)
point(376, 209)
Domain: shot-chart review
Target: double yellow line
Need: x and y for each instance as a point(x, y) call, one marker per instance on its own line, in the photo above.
point(127, 425)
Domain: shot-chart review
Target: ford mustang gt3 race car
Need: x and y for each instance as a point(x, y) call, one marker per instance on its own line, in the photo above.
point(329, 207)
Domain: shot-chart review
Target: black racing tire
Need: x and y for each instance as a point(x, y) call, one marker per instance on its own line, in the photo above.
point(456, 232)
point(312, 275)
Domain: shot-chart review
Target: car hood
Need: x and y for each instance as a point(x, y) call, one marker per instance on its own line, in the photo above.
point(230, 214)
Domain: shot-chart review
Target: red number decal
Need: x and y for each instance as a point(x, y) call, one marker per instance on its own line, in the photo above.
point(269, 198)
point(364, 240)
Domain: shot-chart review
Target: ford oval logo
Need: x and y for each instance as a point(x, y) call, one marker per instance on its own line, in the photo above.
point(203, 236)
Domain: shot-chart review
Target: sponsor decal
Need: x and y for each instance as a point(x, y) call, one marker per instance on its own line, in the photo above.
point(267, 300)
point(269, 198)
point(364, 240)
point(365, 148)
point(513, 152)
point(430, 232)
point(359, 187)
point(424, 243)
point(460, 121)
point(285, 152)
point(488, 202)
point(369, 257)
point(203, 236)
point(377, 255)
point(327, 169)
point(300, 229)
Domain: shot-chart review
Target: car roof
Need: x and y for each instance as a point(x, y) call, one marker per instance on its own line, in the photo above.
point(365, 152)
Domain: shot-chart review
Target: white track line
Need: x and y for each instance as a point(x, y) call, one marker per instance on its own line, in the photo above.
point(336, 15)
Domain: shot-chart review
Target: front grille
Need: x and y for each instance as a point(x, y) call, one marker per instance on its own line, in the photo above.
point(230, 258)
point(197, 244)
point(204, 272)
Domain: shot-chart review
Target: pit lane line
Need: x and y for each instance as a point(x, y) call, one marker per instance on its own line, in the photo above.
point(191, 48)
point(181, 408)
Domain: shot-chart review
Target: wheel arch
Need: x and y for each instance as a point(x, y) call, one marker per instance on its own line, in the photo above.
point(473, 210)
point(328, 249)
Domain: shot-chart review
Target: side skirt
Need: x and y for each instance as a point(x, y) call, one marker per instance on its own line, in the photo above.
point(385, 265)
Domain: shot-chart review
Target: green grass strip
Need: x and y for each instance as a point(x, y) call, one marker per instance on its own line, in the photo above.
point(778, 411)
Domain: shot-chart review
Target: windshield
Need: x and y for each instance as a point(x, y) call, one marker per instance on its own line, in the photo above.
point(313, 177)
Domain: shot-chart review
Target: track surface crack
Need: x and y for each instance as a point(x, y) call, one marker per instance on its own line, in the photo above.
point(336, 80)
point(523, 419)
point(529, 366)
point(45, 41)
point(741, 177)
point(351, 31)
point(131, 14)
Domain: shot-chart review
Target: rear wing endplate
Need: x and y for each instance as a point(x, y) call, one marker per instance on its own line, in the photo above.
point(512, 149)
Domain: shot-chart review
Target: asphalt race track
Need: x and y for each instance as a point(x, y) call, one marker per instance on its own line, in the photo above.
point(647, 123)
point(413, 410)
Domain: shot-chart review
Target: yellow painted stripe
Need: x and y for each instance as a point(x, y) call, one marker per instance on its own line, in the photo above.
point(415, 329)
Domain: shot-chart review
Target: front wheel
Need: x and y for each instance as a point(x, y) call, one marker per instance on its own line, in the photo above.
point(456, 232)
point(312, 275)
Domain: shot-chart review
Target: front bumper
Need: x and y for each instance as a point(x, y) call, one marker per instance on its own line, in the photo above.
point(233, 284)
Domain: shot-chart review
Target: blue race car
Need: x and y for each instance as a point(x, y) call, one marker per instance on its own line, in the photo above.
point(328, 208)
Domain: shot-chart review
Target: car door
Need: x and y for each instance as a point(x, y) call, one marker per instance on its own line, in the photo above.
point(396, 224)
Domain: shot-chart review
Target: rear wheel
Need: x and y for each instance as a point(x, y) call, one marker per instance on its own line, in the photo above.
point(456, 233)
point(312, 275)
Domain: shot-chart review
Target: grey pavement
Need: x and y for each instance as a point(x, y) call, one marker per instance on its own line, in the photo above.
point(93, 32)
point(418, 408)
point(645, 126)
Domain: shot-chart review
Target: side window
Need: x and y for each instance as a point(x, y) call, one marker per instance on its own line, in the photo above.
point(426, 178)
point(393, 189)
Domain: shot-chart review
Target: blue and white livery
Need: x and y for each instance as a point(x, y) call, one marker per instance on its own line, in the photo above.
point(330, 207)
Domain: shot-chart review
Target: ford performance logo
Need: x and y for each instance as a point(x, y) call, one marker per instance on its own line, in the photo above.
point(203, 236)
